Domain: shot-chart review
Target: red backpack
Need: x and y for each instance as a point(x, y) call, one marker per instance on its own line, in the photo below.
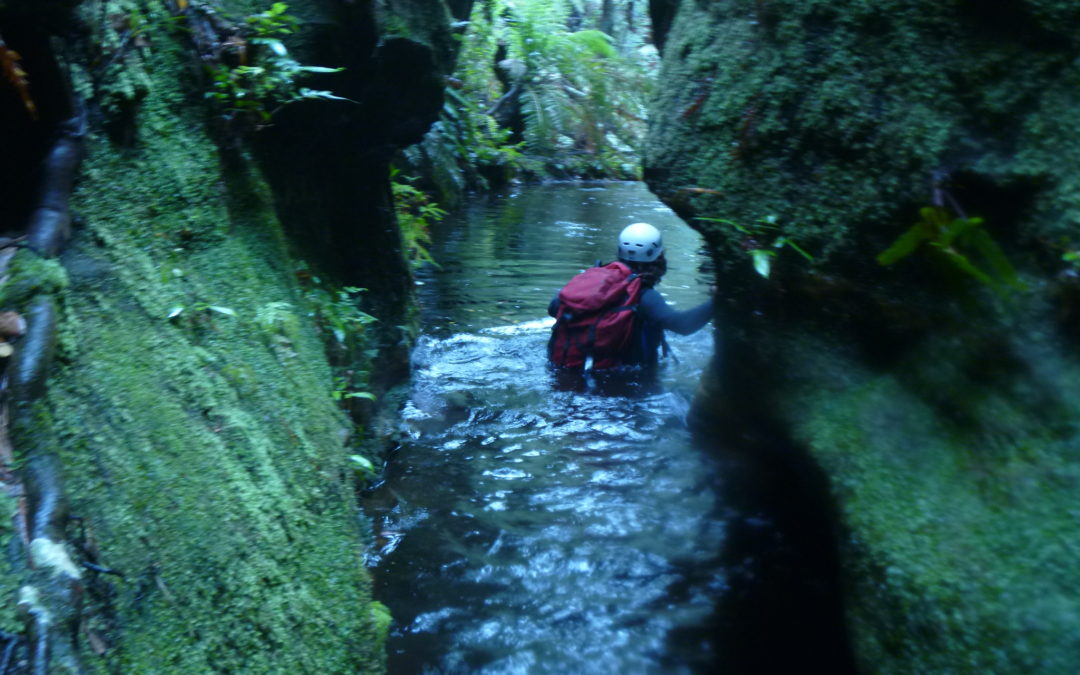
point(595, 317)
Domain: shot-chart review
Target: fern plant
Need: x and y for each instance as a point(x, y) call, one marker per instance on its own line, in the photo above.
point(415, 212)
point(581, 99)
point(573, 102)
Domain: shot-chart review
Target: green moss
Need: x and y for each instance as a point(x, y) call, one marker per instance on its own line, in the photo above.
point(383, 620)
point(12, 570)
point(28, 274)
point(943, 417)
point(955, 479)
point(424, 22)
point(835, 117)
point(207, 465)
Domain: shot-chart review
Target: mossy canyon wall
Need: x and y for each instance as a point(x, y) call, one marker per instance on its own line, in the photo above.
point(190, 411)
point(941, 406)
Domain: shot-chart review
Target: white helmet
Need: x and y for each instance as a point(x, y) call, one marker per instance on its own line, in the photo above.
point(640, 242)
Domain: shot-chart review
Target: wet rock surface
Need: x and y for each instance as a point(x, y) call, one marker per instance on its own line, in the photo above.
point(938, 406)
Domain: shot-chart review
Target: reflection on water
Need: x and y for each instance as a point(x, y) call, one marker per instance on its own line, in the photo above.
point(529, 524)
point(504, 257)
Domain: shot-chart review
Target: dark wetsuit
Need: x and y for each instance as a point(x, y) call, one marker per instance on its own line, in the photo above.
point(654, 316)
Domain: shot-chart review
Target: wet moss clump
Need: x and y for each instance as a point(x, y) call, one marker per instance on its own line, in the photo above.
point(29, 274)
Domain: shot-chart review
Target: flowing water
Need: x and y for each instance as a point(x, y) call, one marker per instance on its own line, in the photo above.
point(536, 524)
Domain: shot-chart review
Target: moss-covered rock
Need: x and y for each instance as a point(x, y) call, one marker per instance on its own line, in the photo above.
point(427, 23)
point(190, 402)
point(209, 467)
point(940, 409)
point(837, 116)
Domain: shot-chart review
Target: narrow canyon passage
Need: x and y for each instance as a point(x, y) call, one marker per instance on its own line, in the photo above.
point(534, 523)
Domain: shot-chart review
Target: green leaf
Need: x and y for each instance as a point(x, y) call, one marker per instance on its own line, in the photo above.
point(993, 255)
point(723, 221)
point(956, 229)
point(961, 262)
point(304, 92)
point(935, 216)
point(362, 463)
point(798, 249)
point(362, 394)
point(595, 41)
point(761, 261)
point(906, 244)
point(275, 46)
point(319, 69)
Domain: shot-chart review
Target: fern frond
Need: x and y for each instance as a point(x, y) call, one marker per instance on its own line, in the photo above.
point(598, 43)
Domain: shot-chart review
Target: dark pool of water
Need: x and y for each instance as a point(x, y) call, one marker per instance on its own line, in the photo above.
point(532, 525)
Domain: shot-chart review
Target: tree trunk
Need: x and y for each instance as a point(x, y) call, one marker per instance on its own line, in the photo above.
point(607, 17)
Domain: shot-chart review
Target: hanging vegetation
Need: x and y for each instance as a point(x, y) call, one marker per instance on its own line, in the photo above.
point(545, 88)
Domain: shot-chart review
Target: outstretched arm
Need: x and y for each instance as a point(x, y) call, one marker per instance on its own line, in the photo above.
point(684, 323)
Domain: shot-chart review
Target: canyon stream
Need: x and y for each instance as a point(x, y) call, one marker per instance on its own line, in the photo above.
point(531, 522)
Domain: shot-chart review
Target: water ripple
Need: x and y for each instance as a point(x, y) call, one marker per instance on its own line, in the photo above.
point(533, 523)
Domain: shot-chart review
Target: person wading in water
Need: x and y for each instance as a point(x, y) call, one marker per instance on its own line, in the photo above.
point(612, 315)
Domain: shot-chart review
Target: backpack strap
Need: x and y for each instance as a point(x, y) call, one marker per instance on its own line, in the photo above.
point(562, 317)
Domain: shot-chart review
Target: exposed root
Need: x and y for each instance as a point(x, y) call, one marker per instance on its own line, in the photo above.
point(50, 601)
point(50, 224)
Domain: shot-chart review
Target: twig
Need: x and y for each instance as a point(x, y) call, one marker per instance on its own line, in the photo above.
point(940, 194)
point(98, 568)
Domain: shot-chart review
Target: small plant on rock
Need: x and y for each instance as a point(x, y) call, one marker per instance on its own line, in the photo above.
point(337, 316)
point(762, 241)
point(265, 76)
point(961, 241)
point(337, 312)
point(415, 212)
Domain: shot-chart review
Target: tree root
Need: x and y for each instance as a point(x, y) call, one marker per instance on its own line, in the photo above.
point(50, 223)
point(51, 599)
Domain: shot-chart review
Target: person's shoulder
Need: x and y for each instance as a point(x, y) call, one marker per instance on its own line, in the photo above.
point(650, 294)
point(651, 301)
